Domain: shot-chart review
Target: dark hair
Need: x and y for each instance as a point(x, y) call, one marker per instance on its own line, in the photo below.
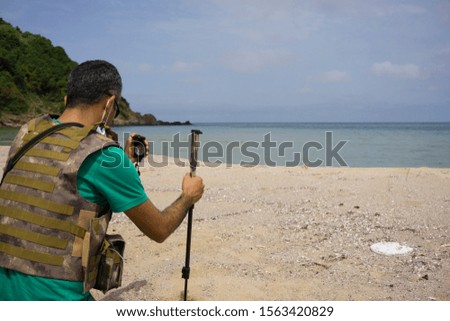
point(91, 81)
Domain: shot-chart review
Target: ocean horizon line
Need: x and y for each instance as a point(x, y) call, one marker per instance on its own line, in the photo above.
point(357, 144)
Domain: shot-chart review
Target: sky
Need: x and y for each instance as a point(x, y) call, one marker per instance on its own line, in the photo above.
point(260, 60)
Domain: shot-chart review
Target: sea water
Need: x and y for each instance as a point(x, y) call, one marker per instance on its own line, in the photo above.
point(312, 144)
point(298, 144)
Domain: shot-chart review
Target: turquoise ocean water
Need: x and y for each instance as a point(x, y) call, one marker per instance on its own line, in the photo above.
point(294, 144)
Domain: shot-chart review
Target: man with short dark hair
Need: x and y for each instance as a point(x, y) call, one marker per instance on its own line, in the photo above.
point(56, 202)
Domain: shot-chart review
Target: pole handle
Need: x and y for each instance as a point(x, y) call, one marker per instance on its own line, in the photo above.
point(195, 143)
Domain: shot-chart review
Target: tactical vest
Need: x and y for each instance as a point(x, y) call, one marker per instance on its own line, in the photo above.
point(46, 228)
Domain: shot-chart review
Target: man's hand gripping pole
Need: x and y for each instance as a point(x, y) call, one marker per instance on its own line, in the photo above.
point(195, 142)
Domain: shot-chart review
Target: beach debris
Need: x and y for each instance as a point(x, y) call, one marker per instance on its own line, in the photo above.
point(390, 248)
point(424, 277)
point(326, 267)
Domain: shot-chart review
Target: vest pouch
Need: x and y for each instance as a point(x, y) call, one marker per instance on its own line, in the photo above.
point(110, 267)
point(93, 247)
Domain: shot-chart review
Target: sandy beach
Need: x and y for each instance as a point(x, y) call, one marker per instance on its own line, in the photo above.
point(267, 233)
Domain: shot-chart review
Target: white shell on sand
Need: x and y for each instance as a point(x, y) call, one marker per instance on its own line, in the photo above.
point(390, 248)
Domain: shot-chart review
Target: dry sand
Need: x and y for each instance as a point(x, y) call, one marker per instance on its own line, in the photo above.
point(295, 234)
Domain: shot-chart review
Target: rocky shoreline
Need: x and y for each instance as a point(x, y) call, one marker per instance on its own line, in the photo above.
point(136, 119)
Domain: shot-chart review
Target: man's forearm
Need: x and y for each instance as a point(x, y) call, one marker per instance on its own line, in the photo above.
point(156, 224)
point(175, 213)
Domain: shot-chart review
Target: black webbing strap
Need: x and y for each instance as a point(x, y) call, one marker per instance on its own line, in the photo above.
point(25, 148)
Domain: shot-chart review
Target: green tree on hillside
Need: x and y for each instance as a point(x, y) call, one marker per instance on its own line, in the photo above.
point(33, 77)
point(33, 72)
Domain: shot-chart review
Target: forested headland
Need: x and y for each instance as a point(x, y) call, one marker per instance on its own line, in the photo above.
point(33, 75)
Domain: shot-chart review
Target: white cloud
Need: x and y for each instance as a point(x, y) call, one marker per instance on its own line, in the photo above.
point(138, 68)
point(407, 71)
point(306, 90)
point(253, 61)
point(366, 8)
point(266, 21)
point(145, 67)
point(181, 66)
point(404, 9)
point(333, 76)
point(443, 51)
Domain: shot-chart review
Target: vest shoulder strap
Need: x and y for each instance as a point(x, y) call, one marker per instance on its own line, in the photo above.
point(13, 160)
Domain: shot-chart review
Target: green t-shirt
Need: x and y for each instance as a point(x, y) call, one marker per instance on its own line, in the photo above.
point(106, 176)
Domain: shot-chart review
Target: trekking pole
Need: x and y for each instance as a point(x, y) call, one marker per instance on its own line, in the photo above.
point(195, 142)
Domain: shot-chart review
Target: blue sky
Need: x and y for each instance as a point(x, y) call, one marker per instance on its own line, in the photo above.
point(261, 60)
